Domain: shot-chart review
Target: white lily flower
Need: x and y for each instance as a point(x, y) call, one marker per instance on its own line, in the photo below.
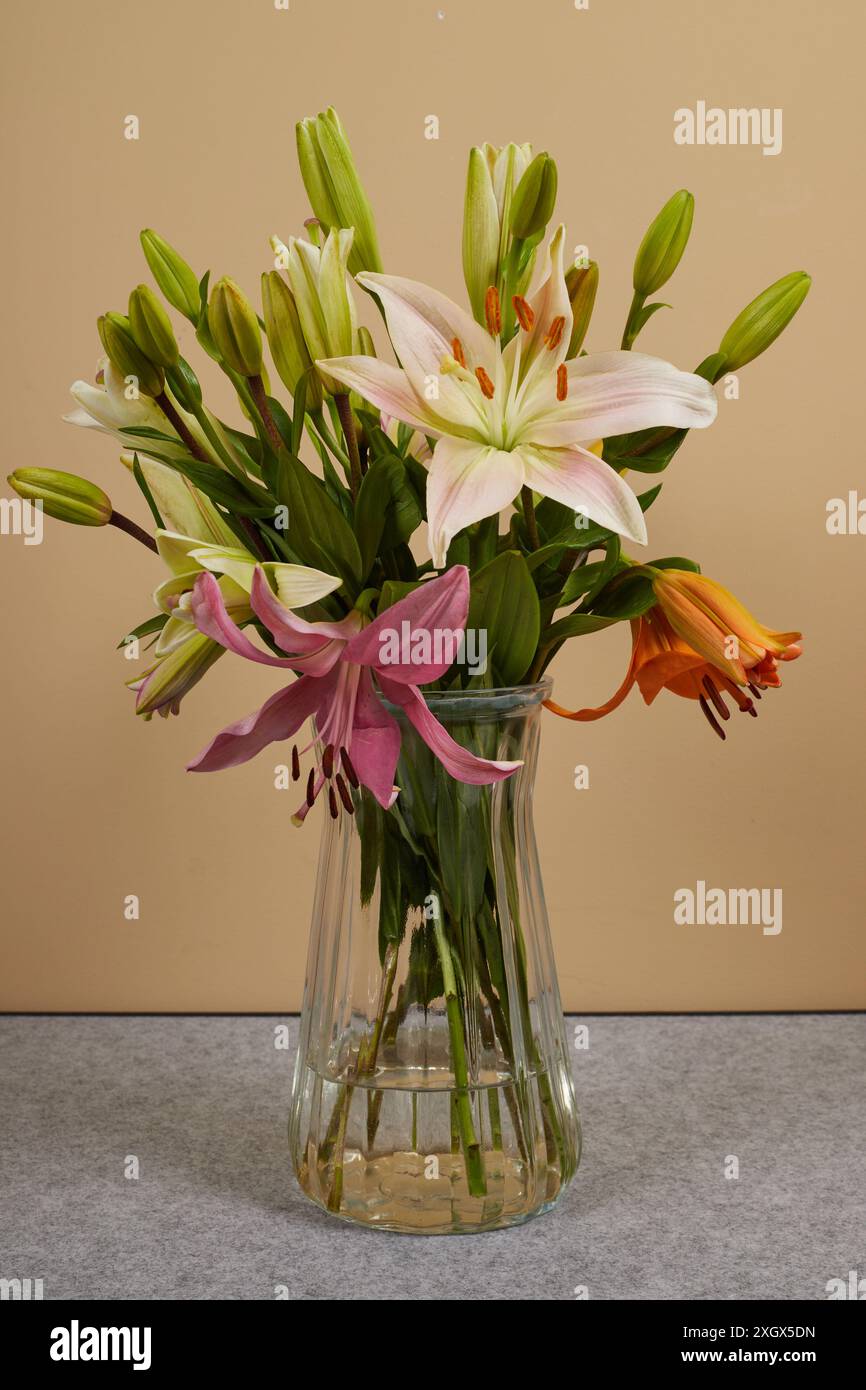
point(521, 416)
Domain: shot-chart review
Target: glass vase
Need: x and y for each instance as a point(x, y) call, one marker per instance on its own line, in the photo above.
point(432, 1091)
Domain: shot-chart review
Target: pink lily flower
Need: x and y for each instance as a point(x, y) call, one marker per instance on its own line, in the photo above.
point(337, 662)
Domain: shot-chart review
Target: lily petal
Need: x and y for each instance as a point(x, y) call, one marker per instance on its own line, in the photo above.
point(279, 718)
point(465, 766)
point(437, 608)
point(211, 617)
point(375, 743)
point(579, 479)
point(613, 393)
point(292, 633)
point(386, 387)
point(466, 483)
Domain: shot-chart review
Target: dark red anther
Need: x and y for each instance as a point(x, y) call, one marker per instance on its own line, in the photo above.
point(332, 803)
point(296, 764)
point(311, 787)
point(348, 768)
point(328, 761)
point(711, 718)
point(345, 795)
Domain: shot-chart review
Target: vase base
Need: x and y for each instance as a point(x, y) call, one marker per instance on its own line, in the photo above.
point(427, 1194)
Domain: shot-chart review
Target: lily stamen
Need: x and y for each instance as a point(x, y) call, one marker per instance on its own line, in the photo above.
point(332, 803)
point(711, 718)
point(346, 763)
point(493, 312)
point(457, 352)
point(296, 764)
point(716, 697)
point(553, 336)
point(524, 312)
point(345, 795)
point(487, 387)
point(328, 761)
point(561, 382)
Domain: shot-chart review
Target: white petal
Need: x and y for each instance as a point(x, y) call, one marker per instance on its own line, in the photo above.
point(422, 324)
point(613, 393)
point(550, 302)
point(386, 387)
point(578, 479)
point(466, 483)
point(297, 585)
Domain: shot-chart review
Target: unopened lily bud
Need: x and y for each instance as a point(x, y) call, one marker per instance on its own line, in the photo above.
point(151, 327)
point(661, 250)
point(63, 495)
point(127, 357)
point(286, 338)
point(762, 321)
point(366, 346)
point(185, 385)
point(170, 271)
point(235, 328)
point(581, 282)
point(321, 289)
point(335, 192)
point(481, 231)
point(534, 198)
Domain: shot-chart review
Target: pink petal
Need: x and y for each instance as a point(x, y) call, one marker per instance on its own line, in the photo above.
point(466, 483)
point(437, 609)
point(323, 642)
point(279, 717)
point(456, 759)
point(580, 480)
point(211, 618)
point(550, 302)
point(375, 745)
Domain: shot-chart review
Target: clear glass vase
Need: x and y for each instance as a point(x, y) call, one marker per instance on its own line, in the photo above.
point(432, 1090)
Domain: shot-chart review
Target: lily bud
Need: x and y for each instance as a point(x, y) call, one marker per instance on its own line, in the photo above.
point(661, 250)
point(366, 346)
point(335, 192)
point(170, 271)
point(127, 357)
point(63, 495)
point(762, 321)
point(320, 285)
point(286, 338)
point(535, 198)
point(481, 231)
point(162, 687)
point(151, 327)
point(581, 282)
point(235, 329)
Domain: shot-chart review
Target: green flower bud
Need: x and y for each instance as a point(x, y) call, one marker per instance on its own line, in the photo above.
point(762, 321)
point(286, 338)
point(235, 328)
point(185, 385)
point(661, 250)
point(335, 192)
point(127, 357)
point(581, 283)
point(63, 495)
point(481, 232)
point(151, 327)
point(366, 346)
point(170, 271)
point(534, 198)
point(319, 283)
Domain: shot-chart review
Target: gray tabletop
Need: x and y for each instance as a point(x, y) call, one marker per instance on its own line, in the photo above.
point(214, 1212)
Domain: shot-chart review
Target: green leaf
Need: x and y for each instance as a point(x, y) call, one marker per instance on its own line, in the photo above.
point(626, 596)
point(318, 531)
point(145, 629)
point(392, 591)
point(245, 499)
point(645, 314)
point(576, 625)
point(148, 495)
point(676, 562)
point(504, 603)
point(386, 513)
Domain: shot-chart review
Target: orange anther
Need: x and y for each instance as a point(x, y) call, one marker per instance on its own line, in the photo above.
point(457, 351)
point(493, 311)
point(561, 382)
point(524, 311)
point(484, 382)
point(553, 337)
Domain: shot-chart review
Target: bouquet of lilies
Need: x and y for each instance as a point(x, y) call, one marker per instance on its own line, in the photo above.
point(461, 472)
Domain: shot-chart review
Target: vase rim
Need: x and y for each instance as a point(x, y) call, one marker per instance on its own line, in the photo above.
point(502, 699)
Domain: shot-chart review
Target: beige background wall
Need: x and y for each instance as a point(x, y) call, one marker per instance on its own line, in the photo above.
point(96, 805)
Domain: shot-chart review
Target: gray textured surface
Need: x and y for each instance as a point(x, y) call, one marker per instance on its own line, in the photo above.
point(201, 1102)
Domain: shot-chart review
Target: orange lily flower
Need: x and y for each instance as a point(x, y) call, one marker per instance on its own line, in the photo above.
point(699, 642)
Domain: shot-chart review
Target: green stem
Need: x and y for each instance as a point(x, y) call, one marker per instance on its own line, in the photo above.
point(260, 396)
point(347, 421)
point(529, 513)
point(631, 330)
point(131, 528)
point(475, 1175)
